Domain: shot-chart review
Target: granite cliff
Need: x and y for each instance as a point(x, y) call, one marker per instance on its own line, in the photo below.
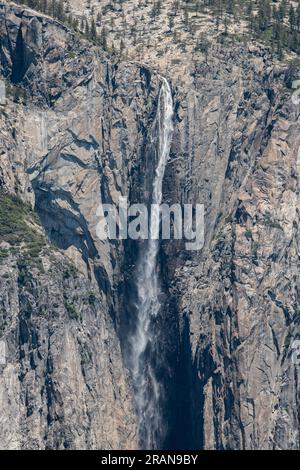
point(76, 130)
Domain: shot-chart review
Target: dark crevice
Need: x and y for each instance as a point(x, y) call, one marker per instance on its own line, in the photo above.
point(19, 62)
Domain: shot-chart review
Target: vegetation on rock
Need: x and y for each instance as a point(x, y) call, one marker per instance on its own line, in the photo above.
point(19, 227)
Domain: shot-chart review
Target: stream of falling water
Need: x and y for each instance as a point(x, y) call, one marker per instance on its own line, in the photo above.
point(143, 342)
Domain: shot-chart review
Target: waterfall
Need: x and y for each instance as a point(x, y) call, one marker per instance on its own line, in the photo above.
point(143, 341)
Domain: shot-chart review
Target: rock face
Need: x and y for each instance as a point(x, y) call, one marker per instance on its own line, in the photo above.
point(238, 300)
point(63, 385)
point(71, 133)
point(75, 132)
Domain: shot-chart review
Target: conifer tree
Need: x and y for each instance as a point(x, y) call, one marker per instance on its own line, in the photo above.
point(87, 28)
point(93, 32)
point(250, 17)
point(292, 18)
point(282, 9)
point(298, 16)
point(103, 38)
point(225, 25)
point(264, 15)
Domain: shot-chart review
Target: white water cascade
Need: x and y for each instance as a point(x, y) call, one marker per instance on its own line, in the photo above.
point(143, 341)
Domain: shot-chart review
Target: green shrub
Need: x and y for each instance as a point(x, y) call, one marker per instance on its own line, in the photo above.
point(92, 298)
point(72, 312)
point(4, 253)
point(15, 222)
point(17, 93)
point(248, 234)
point(18, 227)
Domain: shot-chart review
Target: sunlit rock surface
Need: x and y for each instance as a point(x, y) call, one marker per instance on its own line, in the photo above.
point(75, 132)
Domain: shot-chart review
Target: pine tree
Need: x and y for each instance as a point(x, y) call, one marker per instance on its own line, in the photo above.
point(32, 4)
point(298, 16)
point(87, 28)
point(279, 49)
point(294, 42)
point(225, 25)
point(292, 18)
point(122, 46)
point(93, 32)
point(176, 6)
point(44, 6)
point(198, 7)
point(171, 22)
point(61, 11)
point(218, 13)
point(186, 18)
point(52, 8)
point(264, 15)
point(230, 7)
point(282, 9)
point(250, 17)
point(103, 38)
point(75, 24)
point(203, 46)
